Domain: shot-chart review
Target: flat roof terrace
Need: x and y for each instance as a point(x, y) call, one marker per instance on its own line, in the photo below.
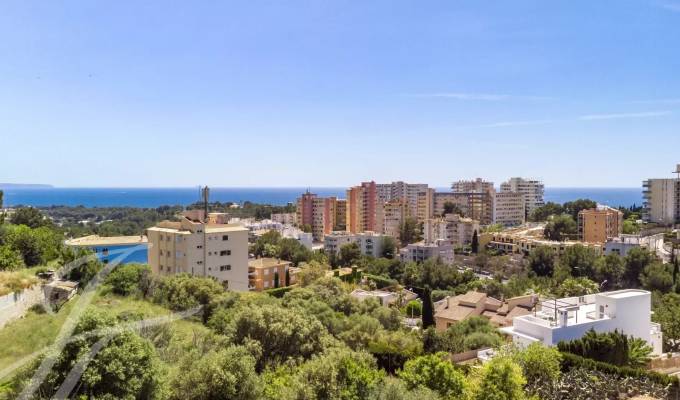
point(96, 240)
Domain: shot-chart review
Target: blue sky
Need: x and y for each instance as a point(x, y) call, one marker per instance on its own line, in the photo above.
point(330, 93)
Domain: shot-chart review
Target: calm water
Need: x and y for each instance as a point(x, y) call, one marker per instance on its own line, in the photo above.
point(139, 197)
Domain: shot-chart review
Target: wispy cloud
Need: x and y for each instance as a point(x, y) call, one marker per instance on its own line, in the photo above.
point(647, 114)
point(675, 7)
point(478, 96)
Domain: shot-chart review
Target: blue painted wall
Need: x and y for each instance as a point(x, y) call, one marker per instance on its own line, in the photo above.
point(138, 253)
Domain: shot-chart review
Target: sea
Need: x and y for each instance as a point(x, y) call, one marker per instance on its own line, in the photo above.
point(155, 197)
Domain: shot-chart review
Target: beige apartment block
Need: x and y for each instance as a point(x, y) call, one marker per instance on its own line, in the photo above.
point(661, 201)
point(532, 189)
point(425, 205)
point(270, 273)
point(599, 224)
point(199, 248)
point(396, 211)
point(509, 209)
point(475, 205)
point(452, 227)
point(474, 186)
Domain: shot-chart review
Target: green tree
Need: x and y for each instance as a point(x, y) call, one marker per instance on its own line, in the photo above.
point(572, 287)
point(541, 260)
point(125, 278)
point(635, 261)
point(501, 379)
point(667, 314)
point(475, 242)
point(413, 309)
point(609, 271)
point(580, 260)
point(389, 247)
point(639, 353)
point(657, 276)
point(10, 259)
point(223, 374)
point(276, 279)
point(29, 216)
point(409, 231)
point(428, 308)
point(393, 348)
point(609, 347)
point(287, 277)
point(23, 239)
point(282, 334)
point(539, 362)
point(434, 372)
point(573, 207)
point(126, 367)
point(310, 272)
point(452, 208)
point(395, 389)
point(546, 211)
point(560, 227)
point(350, 253)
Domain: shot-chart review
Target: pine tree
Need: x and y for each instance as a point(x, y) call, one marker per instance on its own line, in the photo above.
point(287, 277)
point(276, 279)
point(475, 242)
point(428, 308)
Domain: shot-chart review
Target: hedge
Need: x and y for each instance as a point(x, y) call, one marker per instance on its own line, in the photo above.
point(279, 292)
point(380, 281)
point(570, 360)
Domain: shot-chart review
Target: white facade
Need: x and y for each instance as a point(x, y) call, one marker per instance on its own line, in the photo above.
point(533, 191)
point(661, 201)
point(628, 311)
point(420, 252)
point(370, 243)
point(509, 208)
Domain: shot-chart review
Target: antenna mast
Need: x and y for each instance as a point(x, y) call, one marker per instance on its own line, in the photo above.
point(205, 194)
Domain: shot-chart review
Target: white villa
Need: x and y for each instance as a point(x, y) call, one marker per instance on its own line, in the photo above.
point(627, 311)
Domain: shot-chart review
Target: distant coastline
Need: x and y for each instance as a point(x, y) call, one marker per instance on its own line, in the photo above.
point(46, 195)
point(24, 186)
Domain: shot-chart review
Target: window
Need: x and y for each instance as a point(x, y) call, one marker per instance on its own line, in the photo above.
point(225, 237)
point(199, 246)
point(225, 268)
point(199, 262)
point(225, 252)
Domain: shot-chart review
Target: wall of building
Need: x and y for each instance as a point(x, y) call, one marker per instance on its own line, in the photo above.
point(15, 305)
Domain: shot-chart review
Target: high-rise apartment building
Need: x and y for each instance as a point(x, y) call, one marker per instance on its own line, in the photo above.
point(533, 191)
point(364, 209)
point(451, 227)
point(476, 186)
point(395, 214)
point(407, 192)
point(425, 205)
point(599, 224)
point(509, 208)
point(322, 214)
point(475, 205)
point(200, 247)
point(662, 200)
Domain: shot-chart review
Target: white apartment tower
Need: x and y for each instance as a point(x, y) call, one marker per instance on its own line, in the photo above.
point(533, 191)
point(662, 200)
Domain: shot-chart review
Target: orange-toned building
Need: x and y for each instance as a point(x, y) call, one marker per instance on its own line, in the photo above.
point(322, 214)
point(597, 225)
point(270, 273)
point(364, 209)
